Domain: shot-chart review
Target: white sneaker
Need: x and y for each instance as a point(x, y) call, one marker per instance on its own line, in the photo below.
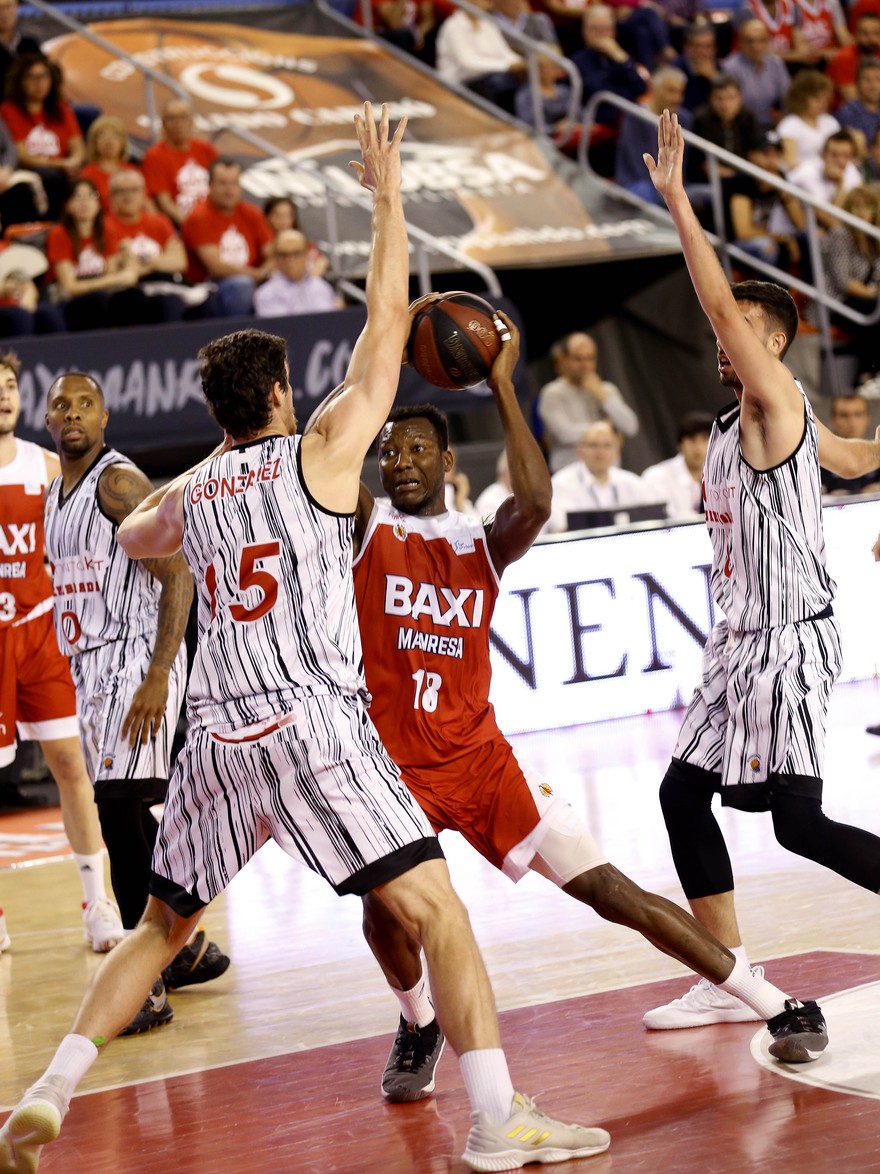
point(703, 1005)
point(5, 939)
point(34, 1121)
point(103, 927)
point(528, 1135)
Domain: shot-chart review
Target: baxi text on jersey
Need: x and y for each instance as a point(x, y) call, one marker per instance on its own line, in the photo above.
point(18, 539)
point(441, 605)
point(235, 483)
point(430, 643)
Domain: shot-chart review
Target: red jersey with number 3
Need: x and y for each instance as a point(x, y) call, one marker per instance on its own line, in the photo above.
point(425, 590)
point(24, 584)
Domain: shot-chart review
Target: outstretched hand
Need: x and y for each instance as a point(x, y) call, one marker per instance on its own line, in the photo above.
point(380, 151)
point(666, 173)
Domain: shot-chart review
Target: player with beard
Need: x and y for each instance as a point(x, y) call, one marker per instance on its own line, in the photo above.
point(755, 728)
point(426, 582)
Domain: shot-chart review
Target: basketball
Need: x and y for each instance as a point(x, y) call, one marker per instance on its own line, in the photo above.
point(453, 342)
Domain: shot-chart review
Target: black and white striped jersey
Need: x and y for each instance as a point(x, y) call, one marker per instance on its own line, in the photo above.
point(768, 566)
point(272, 569)
point(100, 594)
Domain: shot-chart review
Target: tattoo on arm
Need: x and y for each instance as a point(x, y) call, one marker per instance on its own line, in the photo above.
point(120, 489)
point(174, 604)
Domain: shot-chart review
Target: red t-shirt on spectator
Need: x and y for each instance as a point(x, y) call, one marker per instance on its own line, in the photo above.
point(101, 179)
point(183, 175)
point(39, 134)
point(148, 235)
point(240, 237)
point(91, 262)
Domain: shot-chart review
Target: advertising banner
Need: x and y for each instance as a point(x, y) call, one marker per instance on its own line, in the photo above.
point(470, 179)
point(588, 629)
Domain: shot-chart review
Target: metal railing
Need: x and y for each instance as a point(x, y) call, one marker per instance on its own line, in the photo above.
point(531, 49)
point(424, 244)
point(825, 302)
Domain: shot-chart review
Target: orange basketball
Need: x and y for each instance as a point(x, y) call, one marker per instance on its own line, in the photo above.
point(453, 342)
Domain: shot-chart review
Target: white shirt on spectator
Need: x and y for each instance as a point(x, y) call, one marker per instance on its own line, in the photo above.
point(810, 177)
point(809, 140)
point(576, 489)
point(491, 498)
point(279, 295)
point(466, 50)
point(566, 412)
point(671, 482)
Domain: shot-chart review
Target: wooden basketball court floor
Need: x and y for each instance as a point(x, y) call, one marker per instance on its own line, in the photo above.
point(275, 1067)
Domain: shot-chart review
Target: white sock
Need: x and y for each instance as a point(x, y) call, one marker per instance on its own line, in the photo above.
point(488, 1084)
point(740, 952)
point(91, 874)
point(74, 1058)
point(761, 996)
point(415, 1004)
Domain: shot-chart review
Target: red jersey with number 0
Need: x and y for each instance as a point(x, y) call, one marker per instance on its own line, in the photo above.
point(425, 590)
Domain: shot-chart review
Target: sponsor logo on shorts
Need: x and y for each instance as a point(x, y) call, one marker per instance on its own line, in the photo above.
point(546, 790)
point(108, 761)
point(755, 763)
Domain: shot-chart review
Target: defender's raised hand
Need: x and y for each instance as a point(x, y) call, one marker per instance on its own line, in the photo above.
point(380, 151)
point(666, 173)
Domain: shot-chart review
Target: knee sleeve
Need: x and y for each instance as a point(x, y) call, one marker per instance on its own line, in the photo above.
point(130, 849)
point(698, 849)
point(802, 827)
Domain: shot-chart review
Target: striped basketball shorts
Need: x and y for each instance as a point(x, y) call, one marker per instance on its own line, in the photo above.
point(321, 786)
point(106, 680)
point(761, 705)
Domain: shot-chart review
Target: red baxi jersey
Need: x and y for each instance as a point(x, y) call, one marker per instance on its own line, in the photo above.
point(24, 583)
point(425, 590)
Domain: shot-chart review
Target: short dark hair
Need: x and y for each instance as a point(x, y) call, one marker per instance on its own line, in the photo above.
point(840, 136)
point(869, 63)
point(222, 161)
point(694, 424)
point(11, 360)
point(422, 411)
point(724, 81)
point(238, 373)
point(75, 375)
point(776, 302)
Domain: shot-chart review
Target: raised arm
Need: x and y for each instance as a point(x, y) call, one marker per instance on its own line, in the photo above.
point(772, 417)
point(519, 519)
point(848, 458)
point(120, 490)
point(334, 448)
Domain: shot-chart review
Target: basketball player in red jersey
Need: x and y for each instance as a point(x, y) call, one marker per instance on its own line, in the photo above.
point(426, 581)
point(36, 691)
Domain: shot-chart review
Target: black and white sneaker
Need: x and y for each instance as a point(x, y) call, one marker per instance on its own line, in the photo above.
point(155, 1012)
point(799, 1032)
point(409, 1073)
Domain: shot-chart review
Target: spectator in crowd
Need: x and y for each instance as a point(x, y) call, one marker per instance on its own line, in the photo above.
point(677, 482)
point(566, 19)
point(780, 19)
point(13, 42)
point(637, 136)
point(496, 492)
point(281, 214)
point(861, 116)
point(107, 152)
point(805, 128)
point(843, 68)
point(724, 121)
point(871, 162)
point(821, 30)
point(22, 195)
point(682, 16)
point(97, 284)
point(605, 65)
point(750, 206)
point(519, 15)
point(472, 52)
point(699, 62)
point(594, 480)
point(643, 32)
point(43, 126)
point(827, 178)
point(579, 396)
point(228, 240)
point(21, 311)
point(761, 74)
point(151, 240)
point(851, 265)
point(176, 168)
point(554, 94)
point(407, 24)
point(851, 419)
point(291, 289)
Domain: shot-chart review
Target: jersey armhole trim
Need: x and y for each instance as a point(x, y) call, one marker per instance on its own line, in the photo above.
point(313, 501)
point(791, 456)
